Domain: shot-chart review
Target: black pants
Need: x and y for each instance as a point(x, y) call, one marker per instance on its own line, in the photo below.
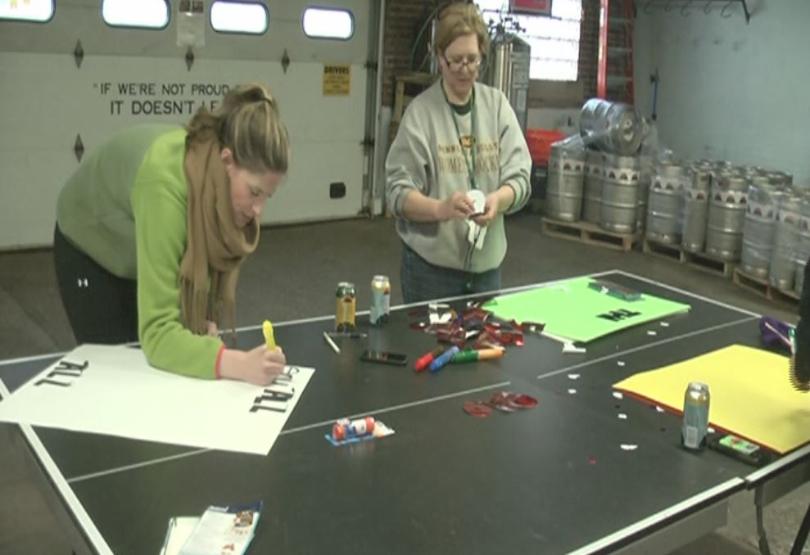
point(101, 307)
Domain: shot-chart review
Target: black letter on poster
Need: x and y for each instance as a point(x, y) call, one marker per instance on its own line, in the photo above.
point(618, 315)
point(65, 369)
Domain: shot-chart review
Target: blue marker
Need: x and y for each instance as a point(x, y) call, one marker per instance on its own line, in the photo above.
point(440, 361)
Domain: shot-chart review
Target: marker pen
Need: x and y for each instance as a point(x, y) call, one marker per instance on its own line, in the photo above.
point(269, 337)
point(473, 355)
point(424, 361)
point(440, 361)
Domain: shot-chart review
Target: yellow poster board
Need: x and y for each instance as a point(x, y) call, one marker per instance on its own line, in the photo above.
point(337, 79)
point(750, 389)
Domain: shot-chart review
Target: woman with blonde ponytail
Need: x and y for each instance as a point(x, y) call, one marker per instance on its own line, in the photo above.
point(152, 228)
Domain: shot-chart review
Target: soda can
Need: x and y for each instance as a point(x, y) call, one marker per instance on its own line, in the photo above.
point(380, 300)
point(345, 306)
point(695, 416)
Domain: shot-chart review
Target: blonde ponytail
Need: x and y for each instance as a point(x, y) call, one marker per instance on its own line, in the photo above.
point(248, 123)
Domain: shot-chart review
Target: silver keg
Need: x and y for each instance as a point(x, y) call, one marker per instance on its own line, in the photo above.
point(592, 196)
point(696, 206)
point(780, 179)
point(786, 236)
point(752, 171)
point(564, 187)
point(664, 203)
point(620, 193)
point(726, 216)
point(759, 226)
point(644, 179)
point(611, 127)
point(800, 266)
point(803, 245)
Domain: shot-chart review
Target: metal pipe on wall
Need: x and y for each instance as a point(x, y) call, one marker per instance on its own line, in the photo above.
point(508, 70)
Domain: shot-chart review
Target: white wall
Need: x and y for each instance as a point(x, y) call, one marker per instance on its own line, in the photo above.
point(729, 90)
point(565, 119)
point(48, 101)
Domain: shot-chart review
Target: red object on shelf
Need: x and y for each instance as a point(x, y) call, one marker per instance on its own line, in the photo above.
point(534, 7)
point(623, 13)
point(540, 141)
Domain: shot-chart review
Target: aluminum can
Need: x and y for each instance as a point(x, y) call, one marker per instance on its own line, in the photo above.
point(695, 416)
point(345, 306)
point(380, 300)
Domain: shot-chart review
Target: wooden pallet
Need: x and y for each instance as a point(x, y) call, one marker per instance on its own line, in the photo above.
point(589, 233)
point(406, 87)
point(709, 263)
point(663, 250)
point(762, 287)
point(699, 260)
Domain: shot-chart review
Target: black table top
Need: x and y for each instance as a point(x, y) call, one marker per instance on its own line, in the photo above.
point(553, 479)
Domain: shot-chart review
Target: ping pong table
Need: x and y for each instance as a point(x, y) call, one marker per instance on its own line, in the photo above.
point(553, 479)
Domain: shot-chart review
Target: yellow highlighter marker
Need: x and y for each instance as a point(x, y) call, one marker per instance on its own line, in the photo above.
point(269, 339)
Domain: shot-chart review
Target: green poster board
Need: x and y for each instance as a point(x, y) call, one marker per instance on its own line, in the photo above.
point(572, 310)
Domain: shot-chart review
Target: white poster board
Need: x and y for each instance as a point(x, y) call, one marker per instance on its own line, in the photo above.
point(112, 390)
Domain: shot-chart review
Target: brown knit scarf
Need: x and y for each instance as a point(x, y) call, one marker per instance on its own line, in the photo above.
point(215, 246)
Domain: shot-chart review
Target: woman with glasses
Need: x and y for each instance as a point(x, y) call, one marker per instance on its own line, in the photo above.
point(459, 162)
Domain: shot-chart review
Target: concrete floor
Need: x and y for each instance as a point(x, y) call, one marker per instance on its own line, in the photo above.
point(292, 276)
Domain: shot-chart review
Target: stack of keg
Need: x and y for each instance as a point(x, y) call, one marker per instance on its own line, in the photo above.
point(732, 213)
point(607, 190)
point(565, 176)
point(776, 231)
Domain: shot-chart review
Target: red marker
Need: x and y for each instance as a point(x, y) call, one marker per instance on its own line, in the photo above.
point(424, 361)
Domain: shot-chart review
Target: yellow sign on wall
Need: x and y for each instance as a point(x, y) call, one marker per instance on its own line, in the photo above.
point(337, 80)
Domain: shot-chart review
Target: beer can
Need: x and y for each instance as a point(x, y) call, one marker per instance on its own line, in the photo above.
point(695, 416)
point(380, 300)
point(345, 306)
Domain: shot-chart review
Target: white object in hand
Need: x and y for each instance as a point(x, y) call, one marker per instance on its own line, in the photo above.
point(479, 201)
point(476, 233)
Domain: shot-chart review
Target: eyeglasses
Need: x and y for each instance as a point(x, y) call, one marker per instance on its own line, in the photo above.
point(457, 63)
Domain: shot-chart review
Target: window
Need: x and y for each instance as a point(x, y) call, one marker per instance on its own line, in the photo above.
point(554, 40)
point(327, 23)
point(27, 10)
point(239, 17)
point(150, 14)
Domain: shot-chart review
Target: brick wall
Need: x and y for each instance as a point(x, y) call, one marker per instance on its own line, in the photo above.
point(589, 47)
point(403, 19)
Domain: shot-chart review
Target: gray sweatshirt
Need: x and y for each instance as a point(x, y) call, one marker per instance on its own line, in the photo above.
point(426, 155)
